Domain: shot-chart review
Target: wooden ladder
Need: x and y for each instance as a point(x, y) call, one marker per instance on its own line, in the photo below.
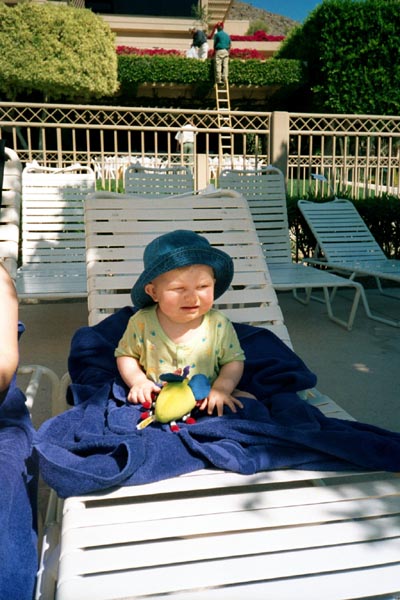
point(224, 121)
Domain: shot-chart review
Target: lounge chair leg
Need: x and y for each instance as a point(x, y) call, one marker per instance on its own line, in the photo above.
point(306, 299)
point(376, 317)
point(349, 323)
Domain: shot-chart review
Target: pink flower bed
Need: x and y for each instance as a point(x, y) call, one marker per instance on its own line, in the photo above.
point(240, 53)
point(257, 36)
point(147, 51)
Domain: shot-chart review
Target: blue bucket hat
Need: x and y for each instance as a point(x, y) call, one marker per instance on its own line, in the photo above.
point(181, 248)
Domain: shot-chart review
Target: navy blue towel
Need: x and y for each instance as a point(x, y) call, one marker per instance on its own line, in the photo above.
point(18, 498)
point(95, 445)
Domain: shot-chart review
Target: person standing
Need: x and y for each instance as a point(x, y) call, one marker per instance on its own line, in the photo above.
point(199, 43)
point(222, 44)
point(185, 141)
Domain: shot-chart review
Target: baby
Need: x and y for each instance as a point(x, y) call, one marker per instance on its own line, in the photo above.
point(176, 325)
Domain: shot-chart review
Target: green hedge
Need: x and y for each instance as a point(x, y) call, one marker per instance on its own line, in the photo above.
point(134, 70)
point(381, 214)
point(352, 51)
point(58, 51)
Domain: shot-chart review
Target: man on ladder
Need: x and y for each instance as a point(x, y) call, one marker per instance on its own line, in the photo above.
point(222, 44)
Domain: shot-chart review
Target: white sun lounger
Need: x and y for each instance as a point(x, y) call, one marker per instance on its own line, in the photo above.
point(265, 192)
point(53, 232)
point(345, 245)
point(10, 211)
point(213, 535)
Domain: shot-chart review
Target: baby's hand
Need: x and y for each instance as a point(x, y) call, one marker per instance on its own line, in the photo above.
point(218, 399)
point(142, 392)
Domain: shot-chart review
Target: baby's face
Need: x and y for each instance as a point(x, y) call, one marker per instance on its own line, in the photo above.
point(185, 294)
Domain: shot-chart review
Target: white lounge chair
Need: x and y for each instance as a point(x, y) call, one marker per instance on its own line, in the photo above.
point(53, 233)
point(345, 244)
point(10, 211)
point(155, 182)
point(30, 376)
point(18, 500)
point(265, 192)
point(214, 535)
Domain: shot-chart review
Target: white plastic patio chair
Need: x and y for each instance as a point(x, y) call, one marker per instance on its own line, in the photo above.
point(155, 182)
point(345, 244)
point(10, 212)
point(53, 232)
point(266, 195)
point(211, 534)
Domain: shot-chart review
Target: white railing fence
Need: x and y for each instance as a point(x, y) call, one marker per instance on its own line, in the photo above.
point(358, 154)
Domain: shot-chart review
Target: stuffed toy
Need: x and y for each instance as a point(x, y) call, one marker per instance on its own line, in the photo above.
point(178, 396)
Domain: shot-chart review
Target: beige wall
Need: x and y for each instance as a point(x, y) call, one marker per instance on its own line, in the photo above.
point(151, 32)
point(237, 27)
point(173, 34)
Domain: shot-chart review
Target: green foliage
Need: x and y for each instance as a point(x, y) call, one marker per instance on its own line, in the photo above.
point(352, 51)
point(134, 70)
point(257, 25)
point(382, 215)
point(57, 50)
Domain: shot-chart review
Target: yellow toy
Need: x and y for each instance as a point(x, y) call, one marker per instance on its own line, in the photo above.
point(176, 399)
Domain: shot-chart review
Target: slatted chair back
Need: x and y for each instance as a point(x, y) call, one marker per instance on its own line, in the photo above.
point(341, 234)
point(163, 181)
point(265, 192)
point(53, 236)
point(119, 227)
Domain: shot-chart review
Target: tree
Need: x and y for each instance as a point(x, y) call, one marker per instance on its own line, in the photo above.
point(257, 25)
point(352, 51)
point(59, 51)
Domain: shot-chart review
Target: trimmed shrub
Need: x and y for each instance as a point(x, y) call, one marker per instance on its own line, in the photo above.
point(133, 70)
point(352, 51)
point(57, 50)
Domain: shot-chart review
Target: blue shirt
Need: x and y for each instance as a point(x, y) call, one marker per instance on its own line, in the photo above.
point(222, 41)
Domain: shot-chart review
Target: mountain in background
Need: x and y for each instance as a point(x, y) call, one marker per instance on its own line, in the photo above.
point(277, 25)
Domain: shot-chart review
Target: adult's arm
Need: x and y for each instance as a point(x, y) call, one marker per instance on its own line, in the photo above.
point(8, 329)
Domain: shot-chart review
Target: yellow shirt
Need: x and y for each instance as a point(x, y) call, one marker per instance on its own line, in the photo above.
point(214, 344)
